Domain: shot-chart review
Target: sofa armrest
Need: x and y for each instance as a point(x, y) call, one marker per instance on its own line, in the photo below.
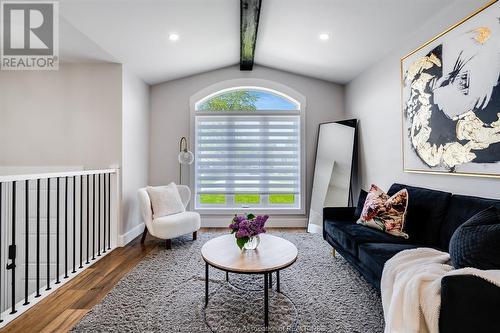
point(469, 304)
point(339, 214)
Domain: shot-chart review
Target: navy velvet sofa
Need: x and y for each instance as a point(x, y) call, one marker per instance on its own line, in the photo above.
point(468, 303)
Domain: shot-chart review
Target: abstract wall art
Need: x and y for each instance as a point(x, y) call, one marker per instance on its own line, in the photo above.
point(450, 95)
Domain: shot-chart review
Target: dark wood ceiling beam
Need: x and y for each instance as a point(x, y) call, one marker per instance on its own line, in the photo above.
point(250, 12)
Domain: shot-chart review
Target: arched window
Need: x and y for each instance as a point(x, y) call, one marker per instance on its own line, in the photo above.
point(247, 99)
point(248, 151)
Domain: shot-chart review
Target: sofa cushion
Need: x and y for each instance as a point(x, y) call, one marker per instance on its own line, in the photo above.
point(461, 209)
point(335, 229)
point(426, 211)
point(476, 243)
point(175, 225)
point(374, 255)
point(349, 235)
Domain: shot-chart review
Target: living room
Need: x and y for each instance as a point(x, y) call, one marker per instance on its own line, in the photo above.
point(247, 166)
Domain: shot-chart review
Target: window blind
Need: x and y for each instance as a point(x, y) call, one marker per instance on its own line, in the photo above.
point(251, 154)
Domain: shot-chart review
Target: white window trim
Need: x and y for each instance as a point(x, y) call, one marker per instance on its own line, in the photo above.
point(260, 84)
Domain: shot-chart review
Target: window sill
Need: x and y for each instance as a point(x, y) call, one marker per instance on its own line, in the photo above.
point(262, 211)
point(275, 221)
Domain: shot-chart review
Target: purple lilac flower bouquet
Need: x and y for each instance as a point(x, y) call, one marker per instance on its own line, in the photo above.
point(247, 227)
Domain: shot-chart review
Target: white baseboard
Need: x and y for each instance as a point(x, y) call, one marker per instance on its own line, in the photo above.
point(222, 222)
point(315, 229)
point(130, 235)
point(276, 222)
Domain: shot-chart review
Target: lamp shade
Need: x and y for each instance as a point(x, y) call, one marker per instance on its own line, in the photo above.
point(185, 157)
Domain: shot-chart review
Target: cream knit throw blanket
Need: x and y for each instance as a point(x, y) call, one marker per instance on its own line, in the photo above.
point(411, 289)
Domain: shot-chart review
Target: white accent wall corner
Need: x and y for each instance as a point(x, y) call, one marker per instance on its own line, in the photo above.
point(135, 152)
point(374, 98)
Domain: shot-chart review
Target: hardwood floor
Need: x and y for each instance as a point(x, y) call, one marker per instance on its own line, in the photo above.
point(63, 309)
point(60, 311)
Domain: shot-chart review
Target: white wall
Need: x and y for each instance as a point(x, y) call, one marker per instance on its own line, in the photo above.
point(86, 116)
point(374, 98)
point(61, 118)
point(135, 151)
point(170, 114)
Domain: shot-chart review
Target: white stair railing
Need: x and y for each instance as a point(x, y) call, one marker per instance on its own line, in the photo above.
point(52, 227)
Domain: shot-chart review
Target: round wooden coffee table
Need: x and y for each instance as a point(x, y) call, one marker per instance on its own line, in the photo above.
point(272, 255)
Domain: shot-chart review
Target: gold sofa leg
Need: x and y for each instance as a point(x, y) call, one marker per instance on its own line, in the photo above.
point(334, 252)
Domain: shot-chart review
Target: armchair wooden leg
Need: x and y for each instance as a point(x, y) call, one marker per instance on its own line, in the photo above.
point(195, 235)
point(168, 244)
point(144, 234)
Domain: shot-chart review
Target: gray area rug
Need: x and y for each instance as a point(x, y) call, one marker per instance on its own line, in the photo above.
point(165, 293)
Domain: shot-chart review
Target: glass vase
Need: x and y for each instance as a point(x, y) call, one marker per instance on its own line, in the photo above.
point(252, 243)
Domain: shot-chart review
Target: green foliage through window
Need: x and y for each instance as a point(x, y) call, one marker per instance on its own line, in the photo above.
point(247, 99)
point(281, 198)
point(214, 199)
point(242, 199)
point(231, 101)
point(246, 198)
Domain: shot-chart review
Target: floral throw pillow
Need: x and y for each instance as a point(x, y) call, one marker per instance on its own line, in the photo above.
point(385, 213)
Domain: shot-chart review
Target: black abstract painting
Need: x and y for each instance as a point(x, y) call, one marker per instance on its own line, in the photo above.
point(451, 99)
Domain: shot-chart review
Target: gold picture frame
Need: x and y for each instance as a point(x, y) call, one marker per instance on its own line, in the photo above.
point(412, 147)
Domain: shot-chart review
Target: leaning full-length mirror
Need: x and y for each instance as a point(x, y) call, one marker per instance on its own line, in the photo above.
point(332, 172)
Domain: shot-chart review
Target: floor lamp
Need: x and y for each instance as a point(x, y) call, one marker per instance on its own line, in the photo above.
point(185, 156)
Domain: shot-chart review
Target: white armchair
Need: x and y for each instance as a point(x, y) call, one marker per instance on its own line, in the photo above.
point(170, 226)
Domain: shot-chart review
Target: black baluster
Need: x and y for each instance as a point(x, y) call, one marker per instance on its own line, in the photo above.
point(66, 228)
point(104, 217)
point(57, 232)
point(81, 220)
point(109, 211)
point(99, 216)
point(88, 221)
point(26, 238)
point(12, 251)
point(48, 234)
point(74, 225)
point(93, 217)
point(37, 238)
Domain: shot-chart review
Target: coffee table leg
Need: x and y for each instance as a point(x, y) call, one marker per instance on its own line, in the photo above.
point(227, 276)
point(278, 281)
point(266, 301)
point(206, 284)
point(270, 280)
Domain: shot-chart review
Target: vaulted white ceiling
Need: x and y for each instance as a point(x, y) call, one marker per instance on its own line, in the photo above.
point(135, 32)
